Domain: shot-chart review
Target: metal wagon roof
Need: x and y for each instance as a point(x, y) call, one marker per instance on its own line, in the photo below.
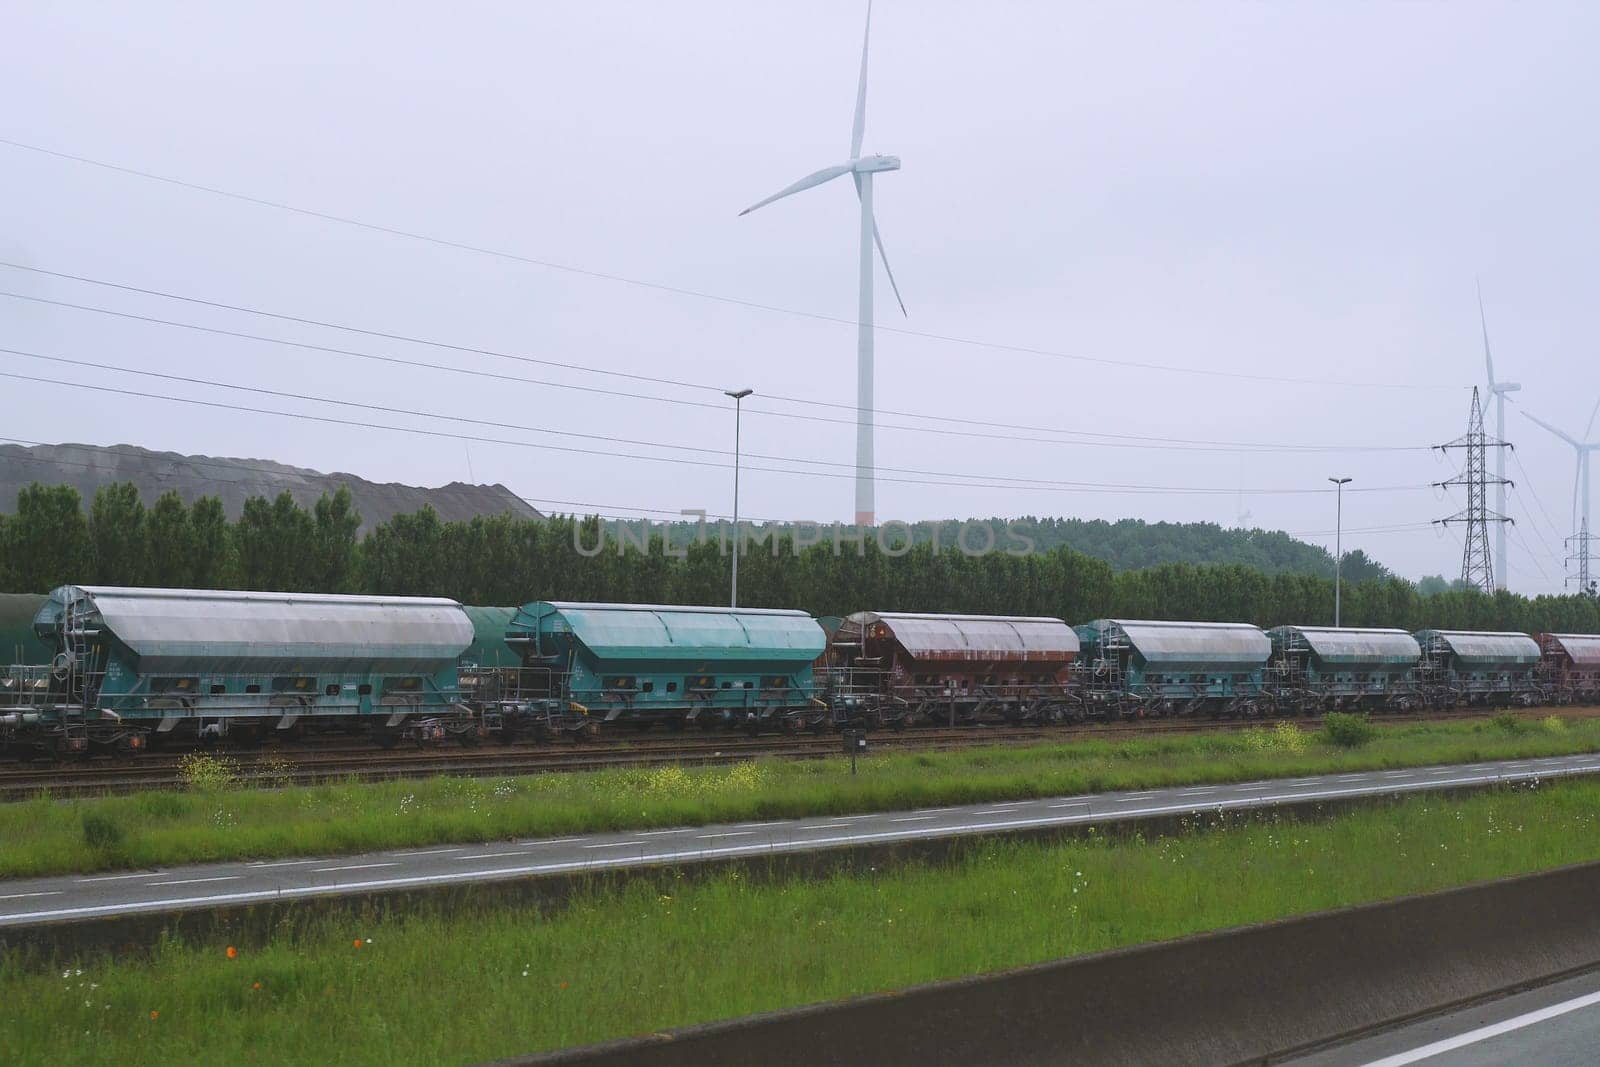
point(1354, 646)
point(656, 632)
point(1191, 644)
point(1472, 648)
point(1582, 649)
point(205, 631)
point(976, 637)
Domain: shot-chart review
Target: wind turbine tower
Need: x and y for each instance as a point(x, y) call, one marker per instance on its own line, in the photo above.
point(1580, 539)
point(1498, 390)
point(861, 169)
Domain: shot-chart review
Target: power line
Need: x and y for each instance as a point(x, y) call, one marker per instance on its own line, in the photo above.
point(974, 484)
point(463, 246)
point(1174, 445)
point(590, 369)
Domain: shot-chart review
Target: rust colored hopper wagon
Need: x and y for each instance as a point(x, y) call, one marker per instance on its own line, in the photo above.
point(1570, 667)
point(894, 669)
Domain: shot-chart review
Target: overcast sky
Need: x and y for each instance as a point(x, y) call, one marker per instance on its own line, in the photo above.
point(1292, 191)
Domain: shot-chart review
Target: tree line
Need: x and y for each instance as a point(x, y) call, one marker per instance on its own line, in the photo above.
point(52, 539)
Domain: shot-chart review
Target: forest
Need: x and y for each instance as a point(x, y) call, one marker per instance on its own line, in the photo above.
point(52, 539)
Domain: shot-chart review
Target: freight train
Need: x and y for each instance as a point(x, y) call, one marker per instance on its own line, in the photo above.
point(119, 669)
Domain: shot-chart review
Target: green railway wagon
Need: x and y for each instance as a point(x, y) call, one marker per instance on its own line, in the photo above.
point(645, 664)
point(132, 664)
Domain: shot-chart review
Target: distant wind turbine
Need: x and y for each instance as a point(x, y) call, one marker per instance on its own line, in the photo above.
point(1498, 390)
point(861, 169)
point(1580, 487)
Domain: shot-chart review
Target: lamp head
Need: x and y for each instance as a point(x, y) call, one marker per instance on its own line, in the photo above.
point(738, 394)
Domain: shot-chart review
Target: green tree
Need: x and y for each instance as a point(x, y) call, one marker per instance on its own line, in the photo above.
point(212, 561)
point(117, 535)
point(47, 539)
point(171, 544)
point(335, 522)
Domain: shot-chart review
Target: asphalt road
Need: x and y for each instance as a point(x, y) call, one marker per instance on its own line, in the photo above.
point(1556, 1025)
point(72, 897)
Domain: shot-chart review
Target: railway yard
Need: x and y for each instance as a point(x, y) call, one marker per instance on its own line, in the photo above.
point(187, 771)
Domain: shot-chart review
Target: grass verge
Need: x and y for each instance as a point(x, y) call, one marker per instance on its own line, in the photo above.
point(435, 988)
point(47, 836)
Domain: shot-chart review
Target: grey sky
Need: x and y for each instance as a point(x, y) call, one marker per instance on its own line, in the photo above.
point(1297, 190)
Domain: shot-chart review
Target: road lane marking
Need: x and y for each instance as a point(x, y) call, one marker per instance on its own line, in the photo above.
point(1195, 792)
point(997, 811)
point(658, 833)
point(492, 855)
point(117, 877)
point(726, 833)
point(431, 851)
point(914, 818)
point(1070, 804)
point(41, 893)
point(611, 844)
point(192, 881)
point(283, 863)
point(354, 867)
point(1483, 1033)
point(824, 826)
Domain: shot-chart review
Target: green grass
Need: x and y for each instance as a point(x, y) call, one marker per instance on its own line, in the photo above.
point(44, 835)
point(479, 984)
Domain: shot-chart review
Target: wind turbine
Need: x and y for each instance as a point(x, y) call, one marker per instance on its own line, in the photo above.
point(1583, 449)
point(861, 169)
point(1498, 390)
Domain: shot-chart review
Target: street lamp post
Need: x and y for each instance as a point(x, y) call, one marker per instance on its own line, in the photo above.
point(738, 407)
point(1338, 544)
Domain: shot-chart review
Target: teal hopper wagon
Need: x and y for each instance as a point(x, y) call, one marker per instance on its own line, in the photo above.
point(132, 665)
point(644, 664)
point(1317, 668)
point(1461, 667)
point(1172, 668)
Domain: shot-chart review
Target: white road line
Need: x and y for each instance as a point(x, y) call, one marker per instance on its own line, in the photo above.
point(44, 893)
point(192, 881)
point(291, 892)
point(1358, 777)
point(914, 818)
point(1069, 804)
point(431, 852)
point(282, 863)
point(1194, 792)
point(658, 833)
point(117, 877)
point(354, 867)
point(1398, 774)
point(1483, 1033)
point(553, 840)
point(824, 826)
point(726, 833)
point(1140, 795)
point(492, 855)
point(611, 844)
point(931, 811)
point(997, 811)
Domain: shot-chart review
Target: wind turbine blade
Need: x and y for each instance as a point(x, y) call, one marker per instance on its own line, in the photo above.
point(1588, 431)
point(860, 128)
point(826, 174)
point(1553, 430)
point(1577, 483)
point(877, 239)
point(1488, 360)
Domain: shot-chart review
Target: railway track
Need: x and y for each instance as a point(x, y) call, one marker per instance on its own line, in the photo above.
point(356, 760)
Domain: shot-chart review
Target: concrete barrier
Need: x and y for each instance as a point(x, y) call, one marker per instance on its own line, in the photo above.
point(1236, 996)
